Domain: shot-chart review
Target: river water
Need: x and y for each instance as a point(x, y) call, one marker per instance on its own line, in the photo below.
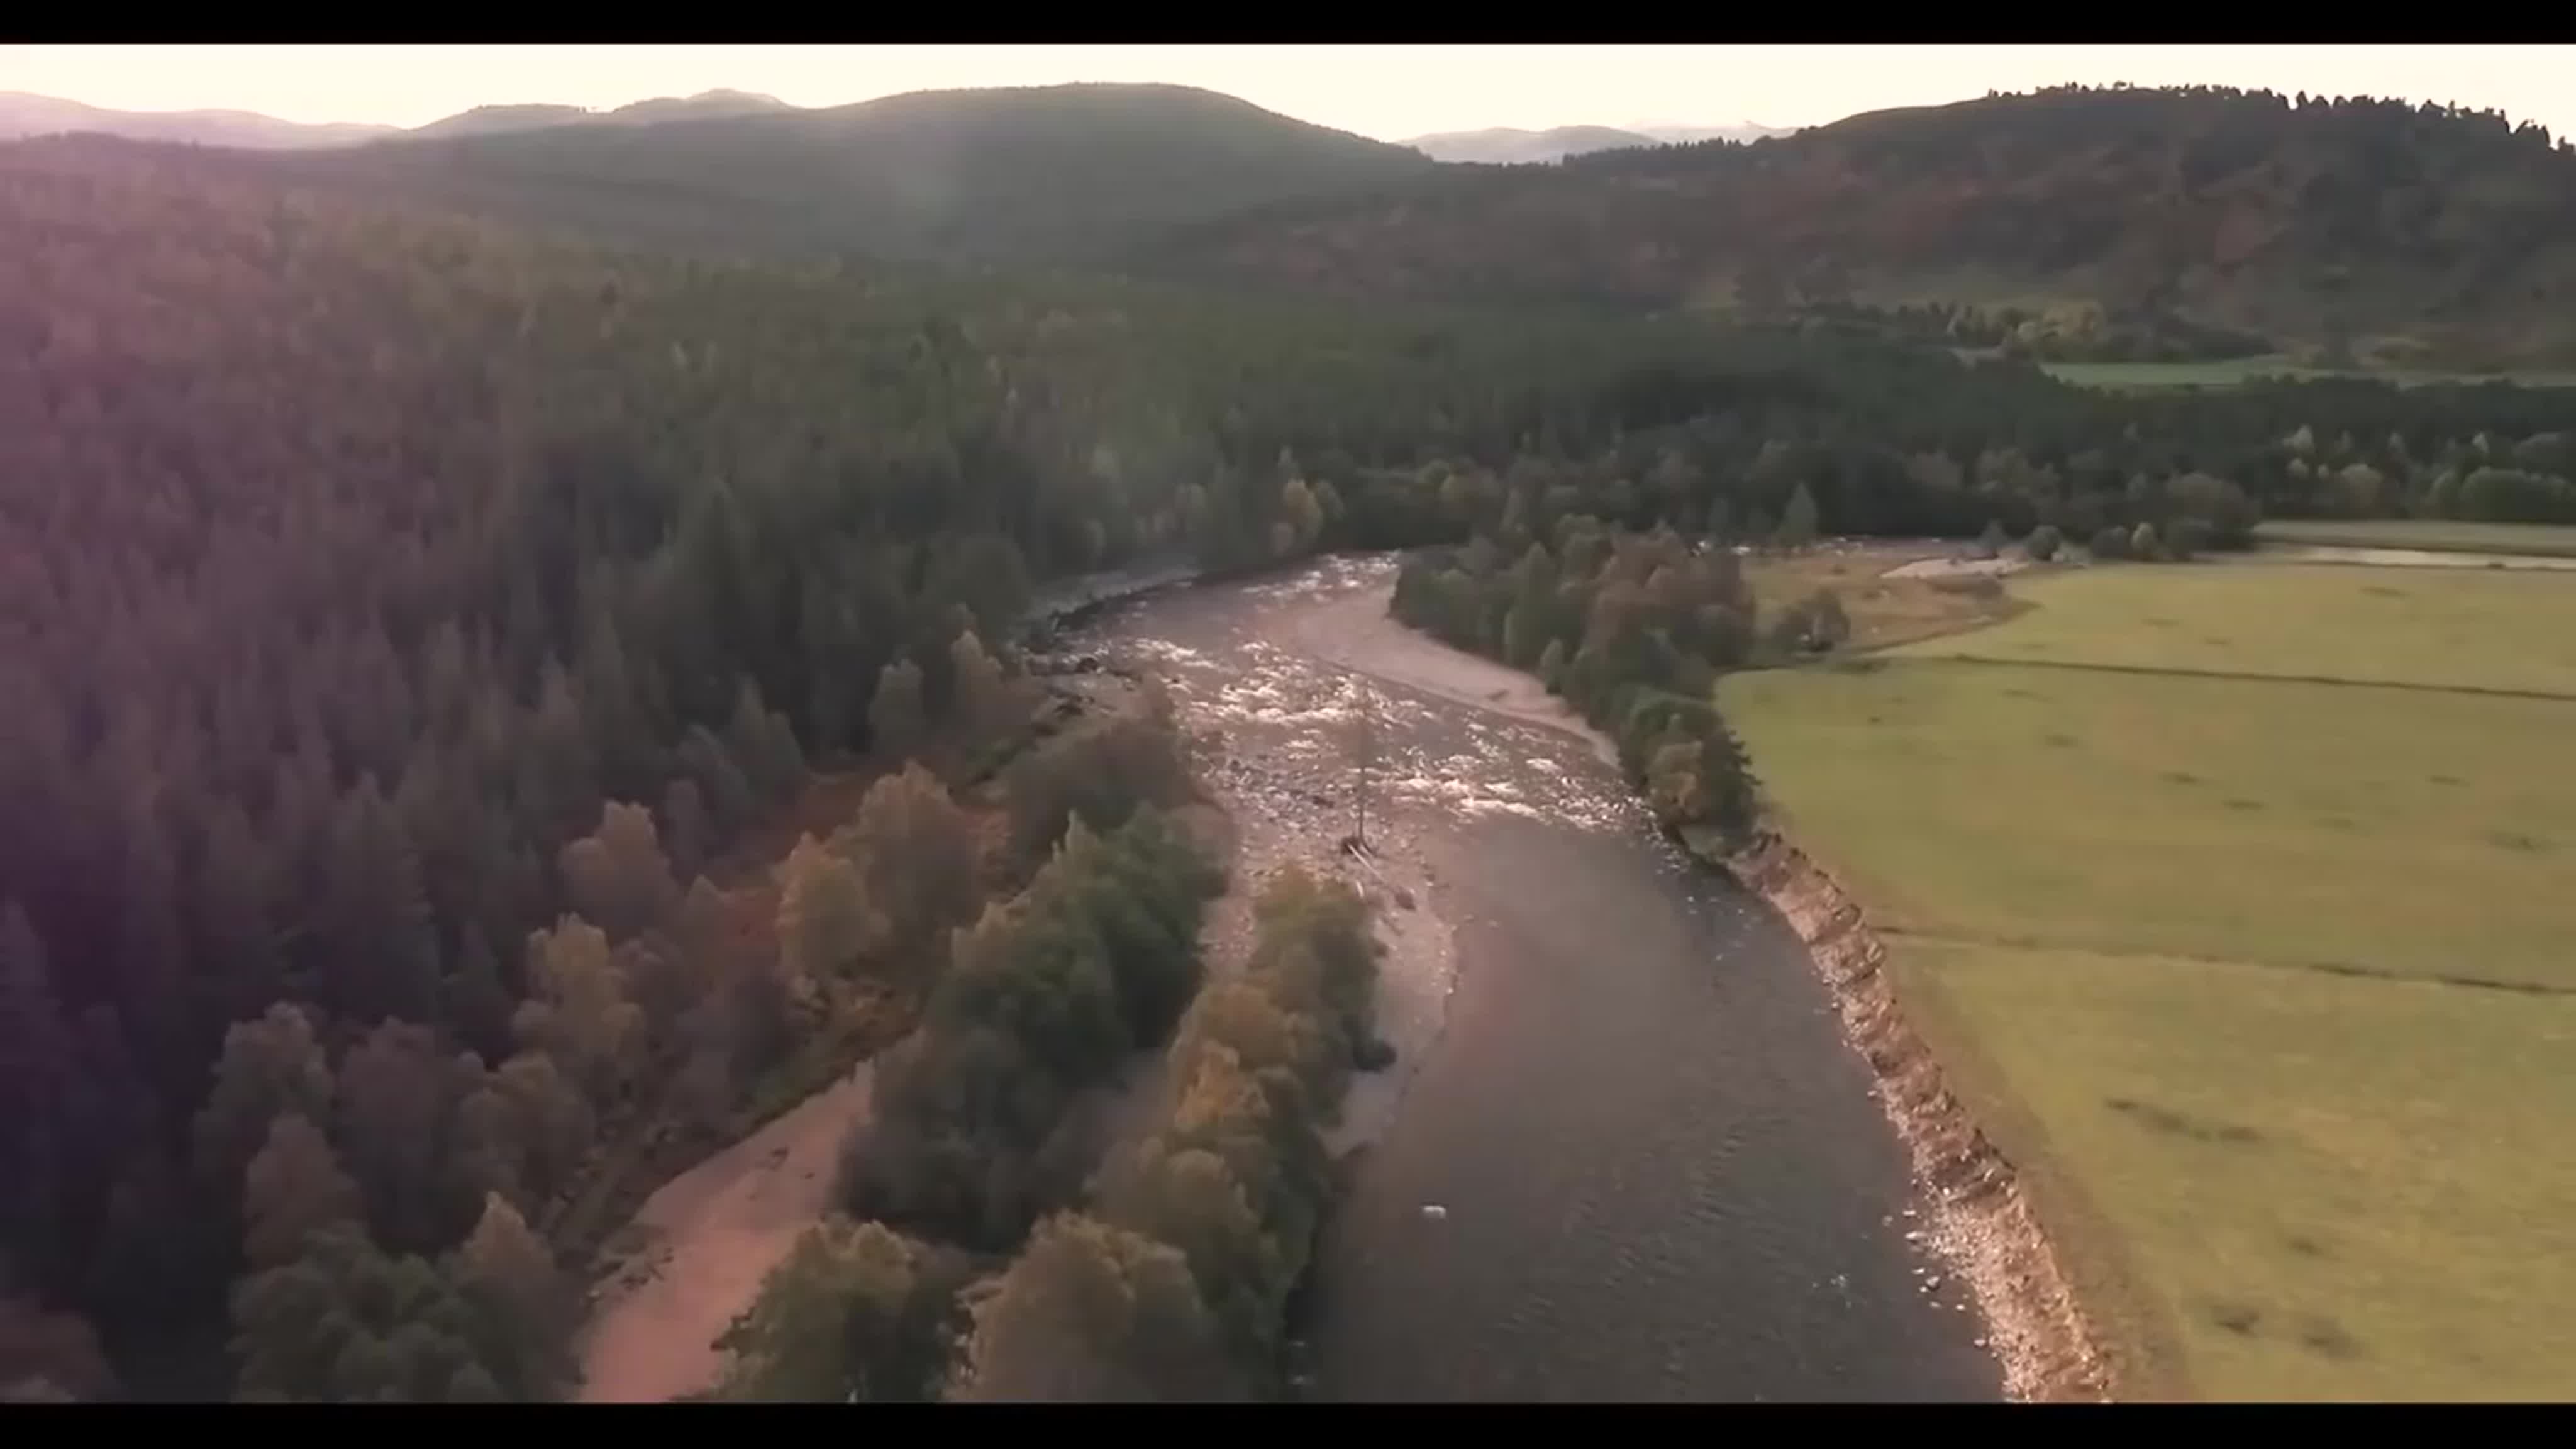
point(1624, 1153)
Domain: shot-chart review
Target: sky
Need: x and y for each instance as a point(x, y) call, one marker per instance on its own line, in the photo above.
point(1388, 91)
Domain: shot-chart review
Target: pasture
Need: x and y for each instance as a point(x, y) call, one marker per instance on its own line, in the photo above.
point(2430, 535)
point(2446, 628)
point(2263, 981)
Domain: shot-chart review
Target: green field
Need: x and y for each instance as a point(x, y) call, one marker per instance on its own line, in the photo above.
point(2236, 371)
point(2452, 628)
point(2432, 535)
point(2264, 983)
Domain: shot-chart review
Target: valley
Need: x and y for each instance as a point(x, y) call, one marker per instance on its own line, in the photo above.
point(1086, 742)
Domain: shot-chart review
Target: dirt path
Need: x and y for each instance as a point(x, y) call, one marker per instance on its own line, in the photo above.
point(712, 1234)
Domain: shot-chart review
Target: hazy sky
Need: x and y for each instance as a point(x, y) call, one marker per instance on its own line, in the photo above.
point(1386, 91)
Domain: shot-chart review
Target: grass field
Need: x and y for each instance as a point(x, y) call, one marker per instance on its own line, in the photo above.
point(2432, 535)
point(2236, 371)
point(1884, 612)
point(2477, 629)
point(2265, 983)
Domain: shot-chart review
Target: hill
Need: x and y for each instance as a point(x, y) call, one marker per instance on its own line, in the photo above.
point(23, 115)
point(2403, 232)
point(1059, 172)
point(503, 119)
point(1510, 145)
point(497, 120)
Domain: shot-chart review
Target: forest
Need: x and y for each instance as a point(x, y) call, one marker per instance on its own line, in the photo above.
point(428, 644)
point(2346, 225)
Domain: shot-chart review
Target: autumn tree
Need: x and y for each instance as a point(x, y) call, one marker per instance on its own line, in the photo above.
point(916, 857)
point(579, 1009)
point(270, 1068)
point(1092, 1313)
point(1190, 1198)
point(395, 1126)
point(293, 1190)
point(617, 876)
point(546, 1125)
point(826, 921)
point(344, 1322)
point(856, 1313)
point(523, 1308)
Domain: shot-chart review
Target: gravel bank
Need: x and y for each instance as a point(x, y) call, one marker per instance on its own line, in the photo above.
point(1979, 1221)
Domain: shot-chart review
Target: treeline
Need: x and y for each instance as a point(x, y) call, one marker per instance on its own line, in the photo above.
point(2084, 332)
point(986, 1116)
point(1168, 1277)
point(1631, 629)
point(1175, 1284)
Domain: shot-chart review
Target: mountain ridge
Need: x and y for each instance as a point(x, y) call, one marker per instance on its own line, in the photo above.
point(2409, 232)
point(25, 116)
point(1046, 173)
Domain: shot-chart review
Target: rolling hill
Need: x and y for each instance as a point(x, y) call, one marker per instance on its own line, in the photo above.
point(504, 119)
point(2428, 233)
point(1058, 173)
point(23, 115)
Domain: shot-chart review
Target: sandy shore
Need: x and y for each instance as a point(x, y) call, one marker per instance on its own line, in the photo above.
point(1980, 1222)
point(713, 1234)
point(1355, 632)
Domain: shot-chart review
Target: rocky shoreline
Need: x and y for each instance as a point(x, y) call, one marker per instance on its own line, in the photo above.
point(1979, 1220)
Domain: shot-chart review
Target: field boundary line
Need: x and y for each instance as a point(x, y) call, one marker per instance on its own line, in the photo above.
point(2342, 969)
point(2489, 691)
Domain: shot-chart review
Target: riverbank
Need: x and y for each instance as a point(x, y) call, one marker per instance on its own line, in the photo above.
point(1980, 1222)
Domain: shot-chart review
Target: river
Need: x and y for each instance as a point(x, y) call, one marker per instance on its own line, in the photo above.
point(1625, 1153)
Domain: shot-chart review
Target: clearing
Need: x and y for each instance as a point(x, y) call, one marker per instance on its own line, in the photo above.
point(2261, 981)
point(1886, 608)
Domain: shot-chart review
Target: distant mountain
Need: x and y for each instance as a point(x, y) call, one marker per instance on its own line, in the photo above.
point(705, 105)
point(1058, 173)
point(1742, 131)
point(498, 120)
point(2371, 227)
point(23, 115)
point(1511, 146)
